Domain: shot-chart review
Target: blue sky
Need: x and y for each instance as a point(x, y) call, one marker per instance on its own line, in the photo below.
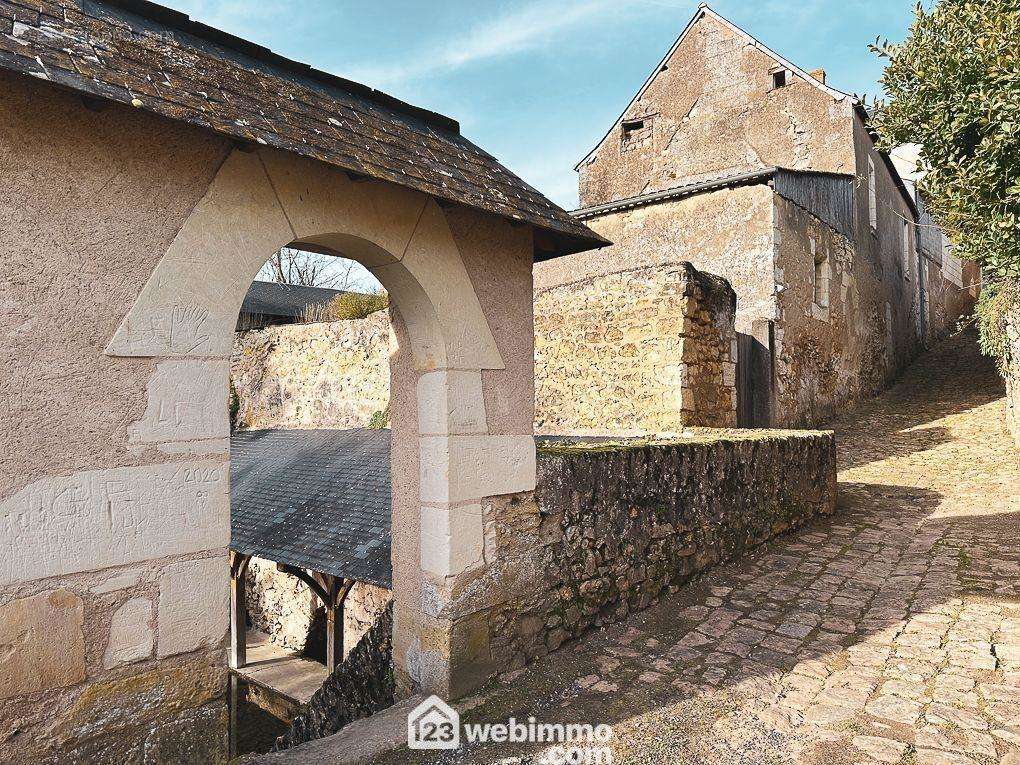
point(537, 82)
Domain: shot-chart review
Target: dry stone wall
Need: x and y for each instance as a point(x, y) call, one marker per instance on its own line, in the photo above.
point(1011, 370)
point(322, 375)
point(643, 351)
point(614, 526)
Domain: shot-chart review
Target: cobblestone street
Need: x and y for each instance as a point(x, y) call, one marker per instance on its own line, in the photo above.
point(888, 634)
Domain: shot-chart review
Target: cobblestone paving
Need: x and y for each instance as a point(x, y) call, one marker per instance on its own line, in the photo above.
point(889, 634)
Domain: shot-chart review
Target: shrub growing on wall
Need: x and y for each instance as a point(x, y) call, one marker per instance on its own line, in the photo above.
point(347, 306)
point(953, 88)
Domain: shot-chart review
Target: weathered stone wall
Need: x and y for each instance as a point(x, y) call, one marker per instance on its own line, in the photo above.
point(1011, 368)
point(322, 375)
point(831, 353)
point(361, 686)
point(728, 232)
point(284, 607)
point(644, 351)
point(612, 527)
point(712, 110)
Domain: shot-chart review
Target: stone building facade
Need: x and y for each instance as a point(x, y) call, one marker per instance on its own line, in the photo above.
point(736, 160)
point(138, 202)
point(648, 350)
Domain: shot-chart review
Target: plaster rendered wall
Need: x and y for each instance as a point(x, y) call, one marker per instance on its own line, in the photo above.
point(946, 301)
point(119, 656)
point(322, 375)
point(713, 111)
point(134, 241)
point(613, 527)
point(726, 232)
point(879, 252)
point(643, 351)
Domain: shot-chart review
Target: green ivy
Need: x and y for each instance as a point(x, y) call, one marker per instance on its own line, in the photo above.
point(953, 88)
point(998, 302)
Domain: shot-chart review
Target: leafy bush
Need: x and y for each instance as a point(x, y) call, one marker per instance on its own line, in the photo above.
point(998, 302)
point(953, 88)
point(381, 419)
point(347, 306)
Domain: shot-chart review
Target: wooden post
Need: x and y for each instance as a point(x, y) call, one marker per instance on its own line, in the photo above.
point(334, 634)
point(238, 610)
point(332, 591)
point(236, 698)
point(338, 590)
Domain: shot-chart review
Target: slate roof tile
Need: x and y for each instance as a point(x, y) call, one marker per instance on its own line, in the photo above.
point(315, 499)
point(137, 52)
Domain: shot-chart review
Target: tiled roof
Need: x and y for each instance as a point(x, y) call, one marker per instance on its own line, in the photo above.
point(157, 59)
point(276, 299)
point(684, 189)
point(315, 499)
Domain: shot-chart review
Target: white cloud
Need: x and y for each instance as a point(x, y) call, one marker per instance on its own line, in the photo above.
point(527, 27)
point(244, 18)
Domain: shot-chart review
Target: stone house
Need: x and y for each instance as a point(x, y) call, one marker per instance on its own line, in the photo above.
point(739, 162)
point(152, 165)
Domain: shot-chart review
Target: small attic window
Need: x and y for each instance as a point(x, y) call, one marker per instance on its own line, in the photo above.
point(635, 133)
point(780, 78)
point(632, 126)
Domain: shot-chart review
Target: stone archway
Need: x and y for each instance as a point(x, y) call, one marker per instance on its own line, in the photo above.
point(185, 316)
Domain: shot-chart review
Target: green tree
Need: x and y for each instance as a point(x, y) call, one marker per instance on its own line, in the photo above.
point(953, 88)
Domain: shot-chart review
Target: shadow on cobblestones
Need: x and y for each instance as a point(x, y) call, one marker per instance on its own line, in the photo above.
point(889, 633)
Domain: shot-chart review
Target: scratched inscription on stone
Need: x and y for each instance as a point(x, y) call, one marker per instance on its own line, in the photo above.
point(187, 399)
point(102, 518)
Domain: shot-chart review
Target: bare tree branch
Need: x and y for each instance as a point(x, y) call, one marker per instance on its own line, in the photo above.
point(309, 269)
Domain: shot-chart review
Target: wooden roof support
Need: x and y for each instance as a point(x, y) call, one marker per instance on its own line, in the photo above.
point(333, 592)
point(238, 610)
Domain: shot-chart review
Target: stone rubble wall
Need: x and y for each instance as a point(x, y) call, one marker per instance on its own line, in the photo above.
point(322, 375)
point(361, 686)
point(613, 527)
point(1011, 370)
point(645, 351)
point(284, 607)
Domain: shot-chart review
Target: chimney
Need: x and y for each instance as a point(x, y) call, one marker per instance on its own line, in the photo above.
point(819, 74)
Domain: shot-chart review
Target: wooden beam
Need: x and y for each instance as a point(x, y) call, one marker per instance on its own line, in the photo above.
point(338, 589)
point(238, 610)
point(301, 574)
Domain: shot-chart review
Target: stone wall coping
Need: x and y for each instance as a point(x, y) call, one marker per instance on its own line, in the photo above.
point(554, 445)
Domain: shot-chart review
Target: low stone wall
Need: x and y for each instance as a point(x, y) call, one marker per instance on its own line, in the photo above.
point(1011, 371)
point(283, 607)
point(359, 687)
point(613, 526)
point(645, 351)
point(323, 375)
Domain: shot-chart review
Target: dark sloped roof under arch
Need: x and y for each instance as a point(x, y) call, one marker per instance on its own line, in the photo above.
point(315, 499)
